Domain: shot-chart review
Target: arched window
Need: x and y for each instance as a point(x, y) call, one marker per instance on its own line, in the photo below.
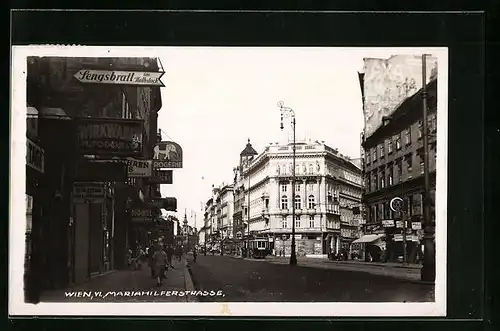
point(284, 202)
point(311, 169)
point(297, 202)
point(311, 202)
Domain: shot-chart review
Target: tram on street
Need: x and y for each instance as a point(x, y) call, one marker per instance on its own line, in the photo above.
point(260, 247)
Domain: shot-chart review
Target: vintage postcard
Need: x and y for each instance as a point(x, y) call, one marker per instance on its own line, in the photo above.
point(228, 181)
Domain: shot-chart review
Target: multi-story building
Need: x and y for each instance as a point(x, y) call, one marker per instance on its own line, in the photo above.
point(74, 240)
point(326, 183)
point(394, 167)
point(226, 200)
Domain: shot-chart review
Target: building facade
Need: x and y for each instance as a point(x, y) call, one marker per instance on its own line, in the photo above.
point(394, 167)
point(73, 239)
point(327, 199)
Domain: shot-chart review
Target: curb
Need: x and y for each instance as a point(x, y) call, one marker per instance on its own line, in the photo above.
point(188, 283)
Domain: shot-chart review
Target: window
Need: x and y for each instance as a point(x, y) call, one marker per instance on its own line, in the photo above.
point(311, 169)
point(390, 173)
point(407, 136)
point(311, 202)
point(284, 223)
point(284, 202)
point(311, 221)
point(398, 141)
point(367, 158)
point(267, 203)
point(389, 146)
point(374, 154)
point(375, 180)
point(382, 179)
point(432, 120)
point(297, 221)
point(399, 166)
point(297, 187)
point(297, 202)
point(330, 198)
point(283, 188)
point(420, 130)
point(381, 149)
point(422, 165)
point(311, 187)
point(409, 163)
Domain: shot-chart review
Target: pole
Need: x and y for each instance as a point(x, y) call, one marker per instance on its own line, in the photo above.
point(405, 254)
point(428, 272)
point(248, 214)
point(293, 256)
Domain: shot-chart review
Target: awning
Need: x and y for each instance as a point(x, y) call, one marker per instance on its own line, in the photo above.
point(369, 238)
point(54, 113)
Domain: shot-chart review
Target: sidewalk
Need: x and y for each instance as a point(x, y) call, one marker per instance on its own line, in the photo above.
point(126, 286)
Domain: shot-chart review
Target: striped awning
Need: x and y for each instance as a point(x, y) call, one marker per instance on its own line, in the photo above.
point(368, 238)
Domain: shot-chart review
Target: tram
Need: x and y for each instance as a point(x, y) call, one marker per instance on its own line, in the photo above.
point(260, 247)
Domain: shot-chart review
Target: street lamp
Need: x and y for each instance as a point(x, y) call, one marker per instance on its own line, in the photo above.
point(288, 112)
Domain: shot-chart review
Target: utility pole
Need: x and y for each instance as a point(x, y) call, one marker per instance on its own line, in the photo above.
point(428, 271)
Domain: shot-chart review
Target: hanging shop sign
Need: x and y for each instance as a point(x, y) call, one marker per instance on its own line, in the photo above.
point(141, 215)
point(167, 154)
point(416, 226)
point(399, 224)
point(99, 136)
point(161, 177)
point(139, 168)
point(388, 223)
point(140, 78)
point(169, 204)
point(35, 156)
point(88, 192)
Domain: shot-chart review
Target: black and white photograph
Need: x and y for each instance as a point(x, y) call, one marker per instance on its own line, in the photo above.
point(228, 181)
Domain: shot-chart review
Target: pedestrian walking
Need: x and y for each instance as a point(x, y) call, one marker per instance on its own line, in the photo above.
point(195, 254)
point(170, 253)
point(160, 261)
point(151, 252)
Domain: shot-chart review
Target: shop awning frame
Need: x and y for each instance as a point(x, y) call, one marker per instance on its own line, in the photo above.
point(368, 238)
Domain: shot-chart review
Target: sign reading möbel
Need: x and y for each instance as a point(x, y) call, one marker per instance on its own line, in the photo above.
point(119, 77)
point(167, 154)
point(99, 136)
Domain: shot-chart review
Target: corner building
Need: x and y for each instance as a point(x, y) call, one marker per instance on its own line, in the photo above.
point(328, 190)
point(394, 167)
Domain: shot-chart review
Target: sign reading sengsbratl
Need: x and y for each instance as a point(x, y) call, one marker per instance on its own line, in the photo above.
point(116, 77)
point(99, 136)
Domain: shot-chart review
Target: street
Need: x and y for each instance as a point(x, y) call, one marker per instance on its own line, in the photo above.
point(261, 281)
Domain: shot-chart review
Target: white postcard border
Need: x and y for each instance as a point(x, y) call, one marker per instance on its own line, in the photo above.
point(17, 219)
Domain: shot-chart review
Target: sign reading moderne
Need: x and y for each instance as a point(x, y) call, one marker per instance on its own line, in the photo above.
point(98, 136)
point(119, 77)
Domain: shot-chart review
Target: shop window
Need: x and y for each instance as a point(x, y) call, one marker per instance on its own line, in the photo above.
point(311, 202)
point(382, 180)
point(298, 204)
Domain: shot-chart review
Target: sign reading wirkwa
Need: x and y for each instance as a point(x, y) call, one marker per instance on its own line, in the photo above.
point(119, 77)
point(98, 136)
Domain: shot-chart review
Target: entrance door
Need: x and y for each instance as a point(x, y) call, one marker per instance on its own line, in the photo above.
point(81, 242)
point(96, 238)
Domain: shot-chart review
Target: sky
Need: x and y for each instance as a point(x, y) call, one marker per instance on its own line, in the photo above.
point(215, 99)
